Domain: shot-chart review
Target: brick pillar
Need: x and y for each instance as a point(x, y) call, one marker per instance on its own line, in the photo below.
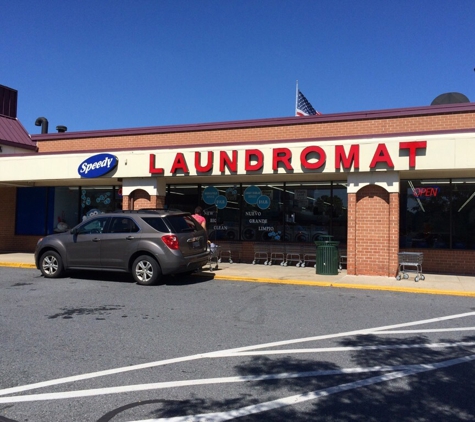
point(393, 234)
point(157, 201)
point(376, 231)
point(125, 203)
point(351, 237)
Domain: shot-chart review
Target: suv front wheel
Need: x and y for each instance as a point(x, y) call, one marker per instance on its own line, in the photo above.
point(146, 270)
point(51, 264)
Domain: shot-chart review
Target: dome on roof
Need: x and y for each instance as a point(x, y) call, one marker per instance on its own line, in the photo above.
point(450, 98)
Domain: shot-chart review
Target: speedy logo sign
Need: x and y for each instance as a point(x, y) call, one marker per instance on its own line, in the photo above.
point(97, 165)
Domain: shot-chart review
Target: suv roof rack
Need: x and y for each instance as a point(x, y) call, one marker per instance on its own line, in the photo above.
point(160, 209)
point(149, 210)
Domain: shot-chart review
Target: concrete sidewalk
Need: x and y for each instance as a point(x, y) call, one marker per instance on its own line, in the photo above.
point(433, 283)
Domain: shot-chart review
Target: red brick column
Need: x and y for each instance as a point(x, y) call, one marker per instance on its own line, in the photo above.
point(393, 249)
point(351, 237)
point(125, 203)
point(376, 231)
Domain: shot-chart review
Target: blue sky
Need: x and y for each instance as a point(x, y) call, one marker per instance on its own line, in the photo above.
point(109, 64)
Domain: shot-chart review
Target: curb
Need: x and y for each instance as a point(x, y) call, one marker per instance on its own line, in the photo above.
point(349, 286)
point(307, 283)
point(17, 265)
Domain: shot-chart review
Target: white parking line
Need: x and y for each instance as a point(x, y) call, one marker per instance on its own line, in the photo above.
point(300, 398)
point(209, 381)
point(230, 352)
point(349, 349)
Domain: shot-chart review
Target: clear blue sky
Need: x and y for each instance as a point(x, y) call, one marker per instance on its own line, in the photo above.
point(108, 64)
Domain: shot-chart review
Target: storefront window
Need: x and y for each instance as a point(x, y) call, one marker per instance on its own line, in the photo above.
point(339, 221)
point(99, 200)
point(463, 213)
point(297, 212)
point(66, 208)
point(221, 205)
point(425, 220)
point(312, 210)
point(262, 212)
point(57, 209)
point(183, 197)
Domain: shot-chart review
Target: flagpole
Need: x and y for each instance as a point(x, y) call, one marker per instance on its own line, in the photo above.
point(296, 95)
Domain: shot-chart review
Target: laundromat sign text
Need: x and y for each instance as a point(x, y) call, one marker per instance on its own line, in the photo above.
point(311, 158)
point(97, 165)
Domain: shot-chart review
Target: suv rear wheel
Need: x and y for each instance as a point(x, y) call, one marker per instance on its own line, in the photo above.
point(146, 270)
point(51, 264)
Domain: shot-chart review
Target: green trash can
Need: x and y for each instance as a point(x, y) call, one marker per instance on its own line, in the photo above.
point(327, 255)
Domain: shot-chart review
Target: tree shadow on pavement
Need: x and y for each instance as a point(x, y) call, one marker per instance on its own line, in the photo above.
point(435, 395)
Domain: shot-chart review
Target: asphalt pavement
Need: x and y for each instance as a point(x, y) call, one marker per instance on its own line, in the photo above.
point(432, 284)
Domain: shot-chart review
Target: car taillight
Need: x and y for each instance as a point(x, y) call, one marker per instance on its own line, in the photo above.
point(171, 241)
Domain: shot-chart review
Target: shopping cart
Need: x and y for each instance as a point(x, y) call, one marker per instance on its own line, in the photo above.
point(343, 254)
point(410, 260)
point(309, 256)
point(261, 252)
point(293, 254)
point(277, 254)
point(229, 252)
point(213, 257)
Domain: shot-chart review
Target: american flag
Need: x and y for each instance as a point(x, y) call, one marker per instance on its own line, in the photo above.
point(304, 108)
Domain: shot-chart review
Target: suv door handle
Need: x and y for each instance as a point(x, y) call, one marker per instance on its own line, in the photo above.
point(96, 239)
point(130, 237)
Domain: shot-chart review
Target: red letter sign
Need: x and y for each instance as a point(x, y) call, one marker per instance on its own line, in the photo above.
point(179, 164)
point(207, 167)
point(313, 166)
point(381, 156)
point(413, 147)
point(250, 153)
point(281, 155)
point(151, 167)
point(224, 160)
point(341, 158)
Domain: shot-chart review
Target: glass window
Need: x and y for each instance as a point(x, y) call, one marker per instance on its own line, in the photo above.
point(425, 213)
point(262, 212)
point(123, 225)
point(339, 215)
point(292, 212)
point(94, 226)
point(182, 223)
point(157, 223)
point(221, 207)
point(183, 197)
point(463, 213)
point(314, 209)
point(98, 200)
point(66, 207)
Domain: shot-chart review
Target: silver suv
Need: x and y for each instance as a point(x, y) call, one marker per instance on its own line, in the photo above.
point(145, 243)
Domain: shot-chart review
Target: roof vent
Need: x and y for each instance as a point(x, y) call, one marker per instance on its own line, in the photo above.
point(61, 129)
point(450, 98)
point(43, 122)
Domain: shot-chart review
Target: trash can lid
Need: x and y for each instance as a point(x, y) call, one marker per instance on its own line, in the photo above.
point(326, 242)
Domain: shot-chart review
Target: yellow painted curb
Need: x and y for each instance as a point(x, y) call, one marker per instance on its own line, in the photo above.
point(349, 286)
point(16, 265)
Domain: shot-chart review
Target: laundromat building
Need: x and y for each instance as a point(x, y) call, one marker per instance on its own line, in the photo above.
point(380, 182)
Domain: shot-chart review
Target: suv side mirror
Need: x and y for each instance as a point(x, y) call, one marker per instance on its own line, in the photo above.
point(74, 231)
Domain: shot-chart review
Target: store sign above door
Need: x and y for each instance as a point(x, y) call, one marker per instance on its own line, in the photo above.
point(310, 158)
point(97, 165)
